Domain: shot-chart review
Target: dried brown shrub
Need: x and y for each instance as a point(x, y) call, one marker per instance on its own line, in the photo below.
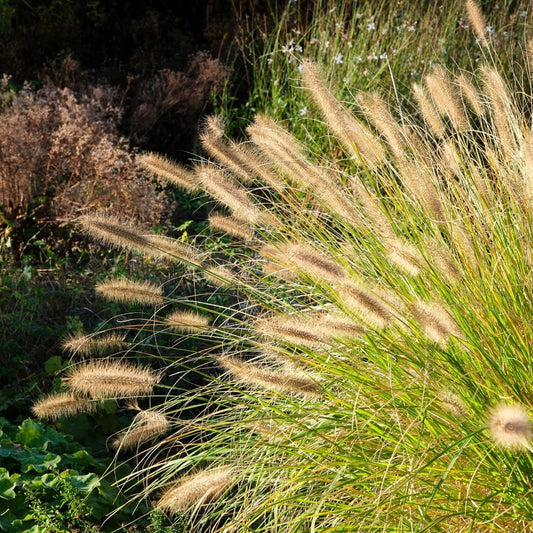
point(66, 147)
point(172, 94)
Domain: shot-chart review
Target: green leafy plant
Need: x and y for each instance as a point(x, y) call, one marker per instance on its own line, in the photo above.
point(49, 482)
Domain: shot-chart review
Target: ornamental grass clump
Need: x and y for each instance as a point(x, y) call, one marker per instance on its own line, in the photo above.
point(362, 359)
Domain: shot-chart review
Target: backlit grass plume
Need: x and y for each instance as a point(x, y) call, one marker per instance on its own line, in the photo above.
point(107, 378)
point(363, 360)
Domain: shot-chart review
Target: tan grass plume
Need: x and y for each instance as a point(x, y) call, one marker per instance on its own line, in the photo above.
point(171, 172)
point(226, 155)
point(62, 404)
point(453, 403)
point(164, 247)
point(187, 321)
point(293, 329)
point(436, 322)
point(477, 19)
point(111, 231)
point(404, 255)
point(503, 113)
point(446, 98)
point(107, 378)
point(285, 380)
point(219, 185)
point(509, 426)
point(203, 487)
point(429, 113)
point(419, 179)
point(312, 262)
point(128, 291)
point(79, 343)
point(471, 94)
point(354, 135)
point(146, 425)
point(378, 112)
point(231, 225)
point(368, 306)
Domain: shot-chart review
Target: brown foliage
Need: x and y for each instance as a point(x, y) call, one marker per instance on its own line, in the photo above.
point(174, 93)
point(66, 146)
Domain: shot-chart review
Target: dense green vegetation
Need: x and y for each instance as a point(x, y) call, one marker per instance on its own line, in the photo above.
point(101, 83)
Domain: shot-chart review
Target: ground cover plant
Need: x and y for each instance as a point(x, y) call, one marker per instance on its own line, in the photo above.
point(49, 482)
point(362, 341)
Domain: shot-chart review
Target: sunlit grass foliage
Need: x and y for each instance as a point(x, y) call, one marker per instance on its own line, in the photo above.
point(363, 355)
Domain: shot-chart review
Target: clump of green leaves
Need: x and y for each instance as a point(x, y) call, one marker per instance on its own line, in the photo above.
point(49, 482)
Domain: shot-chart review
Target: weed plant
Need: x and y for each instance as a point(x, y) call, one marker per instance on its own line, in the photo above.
point(367, 367)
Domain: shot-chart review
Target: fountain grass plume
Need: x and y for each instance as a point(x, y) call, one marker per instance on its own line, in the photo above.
point(146, 426)
point(108, 378)
point(63, 404)
point(129, 291)
point(201, 488)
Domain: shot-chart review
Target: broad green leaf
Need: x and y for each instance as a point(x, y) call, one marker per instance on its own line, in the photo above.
point(7, 485)
point(53, 364)
point(30, 434)
point(85, 483)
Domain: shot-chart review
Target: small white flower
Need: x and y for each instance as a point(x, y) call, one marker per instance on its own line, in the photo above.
point(326, 45)
point(358, 59)
point(314, 40)
point(383, 56)
point(489, 30)
point(338, 59)
point(339, 25)
point(303, 111)
point(298, 48)
point(346, 80)
point(411, 28)
point(523, 13)
point(371, 26)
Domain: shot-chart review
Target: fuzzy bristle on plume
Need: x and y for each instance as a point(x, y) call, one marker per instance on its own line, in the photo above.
point(171, 249)
point(109, 378)
point(510, 427)
point(168, 170)
point(129, 291)
point(187, 321)
point(283, 379)
point(200, 488)
point(355, 136)
point(477, 19)
point(146, 426)
point(62, 404)
point(79, 343)
point(221, 186)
